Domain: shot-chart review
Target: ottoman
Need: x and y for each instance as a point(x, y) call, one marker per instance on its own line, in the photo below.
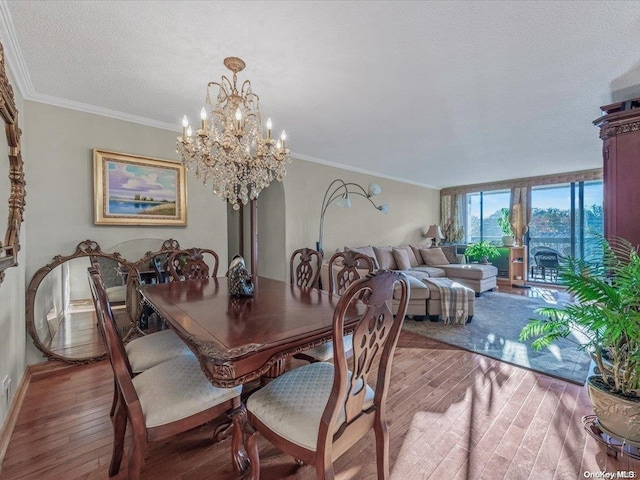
point(476, 276)
point(434, 308)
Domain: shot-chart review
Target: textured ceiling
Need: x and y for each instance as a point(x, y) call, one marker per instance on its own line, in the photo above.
point(437, 93)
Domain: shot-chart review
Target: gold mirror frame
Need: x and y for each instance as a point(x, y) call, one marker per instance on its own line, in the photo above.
point(91, 248)
point(87, 248)
point(11, 246)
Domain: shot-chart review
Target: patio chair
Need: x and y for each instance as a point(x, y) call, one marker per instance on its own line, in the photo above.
point(546, 262)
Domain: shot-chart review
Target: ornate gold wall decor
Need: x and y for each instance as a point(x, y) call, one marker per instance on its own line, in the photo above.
point(11, 245)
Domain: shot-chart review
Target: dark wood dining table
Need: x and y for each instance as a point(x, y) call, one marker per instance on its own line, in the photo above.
point(240, 339)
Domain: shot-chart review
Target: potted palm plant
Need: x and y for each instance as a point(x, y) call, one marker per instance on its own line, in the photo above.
point(508, 239)
point(607, 312)
point(482, 251)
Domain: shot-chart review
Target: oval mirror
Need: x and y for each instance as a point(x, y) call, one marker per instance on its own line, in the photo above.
point(11, 186)
point(60, 314)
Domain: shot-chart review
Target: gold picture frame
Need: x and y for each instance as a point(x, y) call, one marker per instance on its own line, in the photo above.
point(136, 190)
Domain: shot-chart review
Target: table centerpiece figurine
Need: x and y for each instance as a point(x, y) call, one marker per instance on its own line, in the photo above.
point(238, 278)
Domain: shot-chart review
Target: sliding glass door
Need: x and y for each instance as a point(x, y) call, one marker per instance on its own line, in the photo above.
point(566, 220)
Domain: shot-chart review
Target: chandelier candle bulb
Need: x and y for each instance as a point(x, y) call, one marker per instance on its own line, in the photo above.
point(203, 117)
point(283, 137)
point(269, 125)
point(185, 124)
point(238, 118)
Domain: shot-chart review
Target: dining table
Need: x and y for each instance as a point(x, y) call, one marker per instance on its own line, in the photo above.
point(241, 339)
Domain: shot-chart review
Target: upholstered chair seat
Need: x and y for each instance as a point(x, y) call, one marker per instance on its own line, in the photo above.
point(177, 389)
point(117, 294)
point(324, 352)
point(154, 349)
point(292, 404)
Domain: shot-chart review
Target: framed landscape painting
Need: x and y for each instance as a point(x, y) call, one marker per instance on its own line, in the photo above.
point(135, 190)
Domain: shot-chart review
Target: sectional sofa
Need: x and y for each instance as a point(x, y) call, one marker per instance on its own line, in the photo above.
point(419, 263)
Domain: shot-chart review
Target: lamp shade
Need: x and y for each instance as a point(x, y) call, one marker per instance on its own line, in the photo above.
point(434, 231)
point(374, 189)
point(344, 202)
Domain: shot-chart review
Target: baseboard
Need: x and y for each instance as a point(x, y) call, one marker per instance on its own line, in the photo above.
point(12, 415)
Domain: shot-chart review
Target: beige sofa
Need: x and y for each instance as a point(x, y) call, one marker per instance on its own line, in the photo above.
point(443, 263)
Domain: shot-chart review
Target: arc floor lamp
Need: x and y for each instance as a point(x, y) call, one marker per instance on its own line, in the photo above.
point(339, 192)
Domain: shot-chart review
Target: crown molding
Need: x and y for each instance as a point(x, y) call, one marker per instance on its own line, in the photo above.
point(13, 53)
point(104, 112)
point(22, 79)
point(350, 168)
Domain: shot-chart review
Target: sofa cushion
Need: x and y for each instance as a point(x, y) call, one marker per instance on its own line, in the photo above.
point(401, 257)
point(417, 289)
point(473, 271)
point(385, 258)
point(366, 250)
point(424, 271)
point(434, 256)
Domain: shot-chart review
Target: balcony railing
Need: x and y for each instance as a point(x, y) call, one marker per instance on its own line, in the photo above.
point(562, 245)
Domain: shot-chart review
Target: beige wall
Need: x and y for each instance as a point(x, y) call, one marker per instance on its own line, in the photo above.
point(59, 169)
point(411, 210)
point(12, 290)
point(57, 145)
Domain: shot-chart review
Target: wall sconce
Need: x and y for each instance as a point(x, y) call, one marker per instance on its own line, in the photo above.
point(340, 194)
point(435, 234)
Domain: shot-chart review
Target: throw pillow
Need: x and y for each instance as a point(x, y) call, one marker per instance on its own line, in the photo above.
point(450, 252)
point(434, 256)
point(385, 258)
point(416, 252)
point(402, 259)
point(412, 256)
point(368, 251)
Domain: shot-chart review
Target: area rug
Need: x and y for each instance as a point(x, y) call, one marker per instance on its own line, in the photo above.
point(494, 332)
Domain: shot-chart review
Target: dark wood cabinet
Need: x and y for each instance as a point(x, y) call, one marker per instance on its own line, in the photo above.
point(620, 134)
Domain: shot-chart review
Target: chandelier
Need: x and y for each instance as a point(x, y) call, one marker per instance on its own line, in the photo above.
point(229, 149)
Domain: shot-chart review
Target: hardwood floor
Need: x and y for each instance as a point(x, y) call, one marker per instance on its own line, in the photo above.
point(452, 415)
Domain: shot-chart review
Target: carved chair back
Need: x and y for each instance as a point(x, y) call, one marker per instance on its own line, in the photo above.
point(343, 269)
point(106, 322)
point(307, 262)
point(147, 264)
point(354, 407)
point(374, 341)
point(130, 408)
point(190, 264)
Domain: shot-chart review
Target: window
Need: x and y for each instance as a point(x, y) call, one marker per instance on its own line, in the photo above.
point(483, 211)
point(567, 218)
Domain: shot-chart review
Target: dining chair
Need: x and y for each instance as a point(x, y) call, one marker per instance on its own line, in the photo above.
point(318, 411)
point(190, 264)
point(163, 401)
point(144, 352)
point(304, 267)
point(346, 267)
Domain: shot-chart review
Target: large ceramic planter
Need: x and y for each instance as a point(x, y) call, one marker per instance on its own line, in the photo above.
point(618, 415)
